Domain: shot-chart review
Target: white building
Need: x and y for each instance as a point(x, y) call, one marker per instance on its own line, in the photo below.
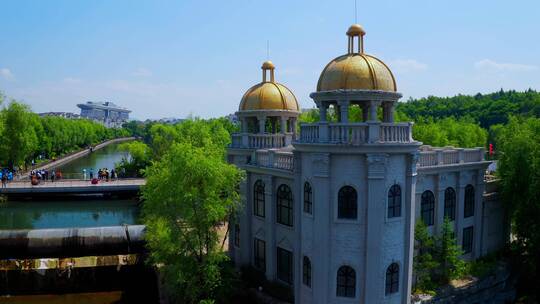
point(106, 113)
point(331, 212)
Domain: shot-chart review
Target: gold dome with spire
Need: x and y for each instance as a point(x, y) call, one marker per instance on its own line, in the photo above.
point(268, 94)
point(356, 70)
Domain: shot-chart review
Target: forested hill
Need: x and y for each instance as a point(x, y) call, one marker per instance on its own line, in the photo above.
point(487, 110)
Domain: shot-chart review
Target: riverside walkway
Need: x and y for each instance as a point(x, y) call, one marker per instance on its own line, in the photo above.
point(74, 187)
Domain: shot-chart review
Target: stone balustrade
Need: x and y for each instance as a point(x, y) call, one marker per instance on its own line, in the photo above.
point(260, 141)
point(430, 156)
point(356, 133)
point(273, 159)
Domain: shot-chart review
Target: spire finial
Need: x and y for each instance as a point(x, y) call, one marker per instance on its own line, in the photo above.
point(355, 13)
point(267, 49)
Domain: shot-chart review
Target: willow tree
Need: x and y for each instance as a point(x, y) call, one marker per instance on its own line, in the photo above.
point(190, 192)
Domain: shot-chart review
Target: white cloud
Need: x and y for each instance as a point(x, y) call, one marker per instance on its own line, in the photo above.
point(72, 80)
point(486, 64)
point(142, 72)
point(407, 65)
point(6, 74)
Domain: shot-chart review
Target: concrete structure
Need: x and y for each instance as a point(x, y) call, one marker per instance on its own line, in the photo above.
point(107, 113)
point(117, 186)
point(331, 212)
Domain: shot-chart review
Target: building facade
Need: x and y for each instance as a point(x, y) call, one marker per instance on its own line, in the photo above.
point(331, 211)
point(107, 113)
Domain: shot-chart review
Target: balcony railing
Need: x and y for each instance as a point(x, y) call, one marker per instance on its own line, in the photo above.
point(260, 141)
point(273, 159)
point(448, 156)
point(355, 133)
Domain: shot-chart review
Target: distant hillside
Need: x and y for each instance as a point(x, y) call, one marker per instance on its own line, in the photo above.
point(487, 110)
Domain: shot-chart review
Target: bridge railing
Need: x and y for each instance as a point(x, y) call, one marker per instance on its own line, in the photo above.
point(76, 183)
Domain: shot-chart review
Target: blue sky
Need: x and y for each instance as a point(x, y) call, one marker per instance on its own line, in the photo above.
point(176, 58)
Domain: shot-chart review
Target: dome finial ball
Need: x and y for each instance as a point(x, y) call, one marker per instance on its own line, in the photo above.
point(356, 30)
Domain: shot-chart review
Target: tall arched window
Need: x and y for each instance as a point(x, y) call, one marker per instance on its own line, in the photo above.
point(450, 203)
point(306, 272)
point(308, 198)
point(346, 282)
point(469, 201)
point(258, 198)
point(392, 279)
point(284, 205)
point(347, 203)
point(394, 201)
point(427, 207)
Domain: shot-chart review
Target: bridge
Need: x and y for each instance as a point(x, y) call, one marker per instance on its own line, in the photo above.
point(128, 185)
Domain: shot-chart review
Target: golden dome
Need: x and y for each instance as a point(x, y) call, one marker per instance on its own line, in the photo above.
point(269, 95)
point(356, 70)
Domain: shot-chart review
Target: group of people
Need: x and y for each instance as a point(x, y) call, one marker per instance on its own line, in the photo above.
point(102, 174)
point(36, 176)
point(6, 176)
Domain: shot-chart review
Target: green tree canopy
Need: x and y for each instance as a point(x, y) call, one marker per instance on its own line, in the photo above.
point(519, 171)
point(189, 194)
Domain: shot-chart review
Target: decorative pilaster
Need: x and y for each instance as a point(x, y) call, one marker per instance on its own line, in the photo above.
point(376, 207)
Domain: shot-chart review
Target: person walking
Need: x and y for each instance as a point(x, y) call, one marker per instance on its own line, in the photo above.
point(53, 175)
point(91, 174)
point(4, 180)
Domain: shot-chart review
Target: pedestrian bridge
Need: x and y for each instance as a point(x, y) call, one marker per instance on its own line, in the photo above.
point(74, 187)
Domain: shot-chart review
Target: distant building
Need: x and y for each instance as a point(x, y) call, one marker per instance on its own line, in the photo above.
point(166, 120)
point(68, 115)
point(107, 113)
point(233, 118)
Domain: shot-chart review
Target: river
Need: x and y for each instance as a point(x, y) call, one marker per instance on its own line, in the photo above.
point(107, 157)
point(100, 285)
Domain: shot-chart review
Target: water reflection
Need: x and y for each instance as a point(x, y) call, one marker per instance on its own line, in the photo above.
point(70, 213)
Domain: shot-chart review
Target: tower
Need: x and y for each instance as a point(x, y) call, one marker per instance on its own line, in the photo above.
point(361, 176)
point(267, 112)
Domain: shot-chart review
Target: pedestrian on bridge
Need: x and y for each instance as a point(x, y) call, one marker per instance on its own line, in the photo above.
point(4, 180)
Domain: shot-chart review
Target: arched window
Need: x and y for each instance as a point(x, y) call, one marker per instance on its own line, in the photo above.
point(394, 201)
point(308, 198)
point(284, 205)
point(392, 279)
point(258, 198)
point(450, 203)
point(347, 203)
point(469, 201)
point(306, 272)
point(346, 282)
point(428, 207)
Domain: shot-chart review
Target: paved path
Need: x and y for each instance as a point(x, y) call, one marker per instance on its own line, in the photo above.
point(74, 186)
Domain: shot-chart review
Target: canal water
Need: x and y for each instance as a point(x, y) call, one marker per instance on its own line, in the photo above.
point(100, 285)
point(68, 212)
point(74, 211)
point(107, 157)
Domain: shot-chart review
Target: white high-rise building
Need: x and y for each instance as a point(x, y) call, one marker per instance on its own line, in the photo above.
point(331, 211)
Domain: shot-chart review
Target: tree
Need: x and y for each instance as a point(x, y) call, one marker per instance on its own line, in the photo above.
point(448, 254)
point(424, 263)
point(189, 193)
point(19, 139)
point(139, 158)
point(519, 172)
